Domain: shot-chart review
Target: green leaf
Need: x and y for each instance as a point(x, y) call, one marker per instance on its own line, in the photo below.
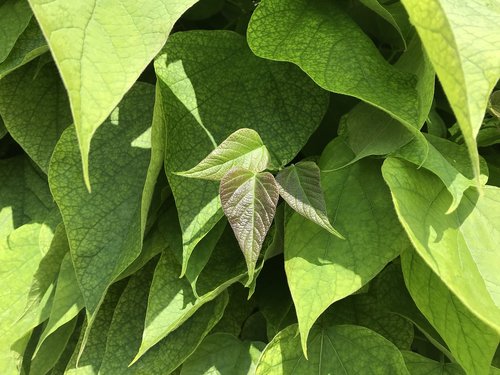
point(48, 354)
point(389, 289)
point(91, 357)
point(365, 310)
point(67, 302)
point(460, 247)
point(243, 148)
point(212, 85)
point(462, 40)
point(105, 228)
point(124, 335)
point(300, 187)
point(35, 108)
point(342, 349)
point(249, 201)
point(448, 161)
point(171, 302)
point(472, 342)
point(19, 260)
point(384, 11)
point(420, 365)
point(221, 354)
point(29, 45)
point(333, 268)
point(14, 17)
point(91, 43)
point(321, 38)
point(3, 129)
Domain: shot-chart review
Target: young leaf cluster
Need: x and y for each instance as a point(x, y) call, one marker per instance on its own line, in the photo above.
point(249, 187)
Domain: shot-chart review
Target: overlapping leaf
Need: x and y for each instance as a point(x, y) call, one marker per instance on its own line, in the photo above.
point(243, 148)
point(346, 349)
point(249, 202)
point(14, 17)
point(100, 50)
point(223, 354)
point(420, 365)
point(460, 247)
point(462, 39)
point(211, 85)
point(35, 108)
point(472, 342)
point(321, 38)
point(320, 267)
point(105, 228)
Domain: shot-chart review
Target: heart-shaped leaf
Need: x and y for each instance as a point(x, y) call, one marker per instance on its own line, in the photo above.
point(300, 187)
point(249, 201)
point(243, 148)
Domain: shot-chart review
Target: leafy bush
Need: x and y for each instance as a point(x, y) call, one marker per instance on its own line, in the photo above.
point(133, 132)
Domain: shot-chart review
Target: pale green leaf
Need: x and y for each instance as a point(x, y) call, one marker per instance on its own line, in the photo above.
point(447, 160)
point(249, 202)
point(3, 129)
point(67, 302)
point(212, 85)
point(320, 267)
point(49, 353)
point(14, 17)
point(223, 354)
point(105, 228)
point(34, 106)
point(243, 148)
point(300, 186)
point(472, 342)
point(321, 38)
point(420, 365)
point(100, 50)
point(29, 45)
point(19, 260)
point(345, 349)
point(462, 39)
point(460, 247)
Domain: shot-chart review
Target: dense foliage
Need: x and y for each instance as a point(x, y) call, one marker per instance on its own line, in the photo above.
point(249, 187)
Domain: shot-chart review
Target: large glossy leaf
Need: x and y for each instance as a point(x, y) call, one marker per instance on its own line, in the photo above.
point(472, 342)
point(125, 331)
point(462, 39)
point(243, 148)
point(300, 187)
point(14, 17)
point(320, 267)
point(460, 247)
point(321, 38)
point(35, 108)
point(345, 349)
point(29, 45)
point(223, 354)
point(212, 85)
point(100, 50)
point(105, 228)
point(448, 161)
point(249, 201)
